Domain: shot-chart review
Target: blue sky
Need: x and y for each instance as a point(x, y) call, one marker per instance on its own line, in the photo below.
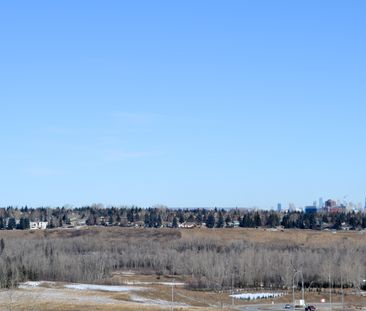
point(182, 103)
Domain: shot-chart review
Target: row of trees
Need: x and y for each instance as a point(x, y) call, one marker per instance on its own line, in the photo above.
point(163, 216)
point(11, 223)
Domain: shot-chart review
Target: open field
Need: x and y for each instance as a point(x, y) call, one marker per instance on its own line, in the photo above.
point(226, 235)
point(307, 238)
point(151, 294)
point(297, 237)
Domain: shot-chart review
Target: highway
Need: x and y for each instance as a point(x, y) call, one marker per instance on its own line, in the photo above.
point(281, 307)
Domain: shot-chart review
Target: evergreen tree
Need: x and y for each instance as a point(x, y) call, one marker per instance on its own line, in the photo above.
point(21, 224)
point(338, 222)
point(246, 221)
point(190, 218)
point(147, 220)
point(210, 221)
point(137, 216)
point(272, 220)
point(257, 220)
point(220, 221)
point(199, 218)
point(300, 221)
point(312, 221)
point(26, 223)
point(158, 222)
point(286, 223)
point(363, 222)
point(228, 220)
point(51, 224)
point(130, 216)
point(241, 222)
point(181, 218)
point(11, 224)
point(175, 222)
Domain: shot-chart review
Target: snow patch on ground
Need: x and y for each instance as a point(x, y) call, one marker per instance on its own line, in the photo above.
point(29, 284)
point(105, 288)
point(127, 273)
point(254, 296)
point(33, 284)
point(154, 283)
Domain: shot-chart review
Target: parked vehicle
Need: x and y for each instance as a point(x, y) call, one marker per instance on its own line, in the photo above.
point(288, 306)
point(310, 308)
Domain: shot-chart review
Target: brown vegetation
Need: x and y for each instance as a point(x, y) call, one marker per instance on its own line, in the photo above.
point(210, 259)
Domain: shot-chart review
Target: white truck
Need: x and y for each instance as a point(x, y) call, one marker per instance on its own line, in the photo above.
point(299, 304)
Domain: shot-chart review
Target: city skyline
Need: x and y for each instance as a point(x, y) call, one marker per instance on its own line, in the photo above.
point(279, 206)
point(182, 103)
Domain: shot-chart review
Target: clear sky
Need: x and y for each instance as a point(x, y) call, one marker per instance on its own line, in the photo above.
point(182, 103)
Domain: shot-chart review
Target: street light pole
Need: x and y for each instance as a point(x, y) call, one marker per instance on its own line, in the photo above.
point(293, 293)
point(342, 292)
point(172, 295)
point(232, 290)
point(293, 287)
point(330, 293)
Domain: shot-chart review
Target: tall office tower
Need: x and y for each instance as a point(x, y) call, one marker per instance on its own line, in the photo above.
point(279, 207)
point(321, 203)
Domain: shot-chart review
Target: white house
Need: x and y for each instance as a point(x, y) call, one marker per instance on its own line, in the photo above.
point(38, 225)
point(187, 225)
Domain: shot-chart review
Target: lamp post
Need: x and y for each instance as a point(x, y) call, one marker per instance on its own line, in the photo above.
point(330, 293)
point(172, 306)
point(293, 287)
point(232, 289)
point(342, 292)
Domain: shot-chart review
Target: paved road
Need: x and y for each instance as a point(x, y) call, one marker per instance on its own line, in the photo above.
point(281, 307)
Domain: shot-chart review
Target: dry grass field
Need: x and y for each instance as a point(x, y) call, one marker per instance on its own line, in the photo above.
point(307, 238)
point(289, 236)
point(298, 237)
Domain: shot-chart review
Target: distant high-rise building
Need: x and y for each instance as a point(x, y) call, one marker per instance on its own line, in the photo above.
point(310, 209)
point(279, 207)
point(365, 204)
point(321, 203)
point(330, 203)
point(291, 207)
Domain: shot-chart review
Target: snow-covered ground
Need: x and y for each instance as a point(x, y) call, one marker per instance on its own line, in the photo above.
point(32, 284)
point(254, 296)
point(78, 286)
point(154, 283)
point(105, 288)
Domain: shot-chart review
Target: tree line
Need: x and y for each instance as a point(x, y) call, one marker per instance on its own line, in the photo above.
point(156, 217)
